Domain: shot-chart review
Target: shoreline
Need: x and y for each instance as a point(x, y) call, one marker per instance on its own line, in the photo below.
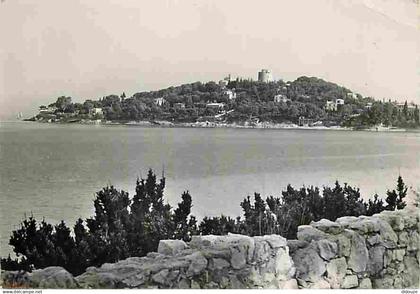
point(214, 125)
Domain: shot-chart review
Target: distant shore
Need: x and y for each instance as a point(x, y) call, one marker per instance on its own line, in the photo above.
point(244, 125)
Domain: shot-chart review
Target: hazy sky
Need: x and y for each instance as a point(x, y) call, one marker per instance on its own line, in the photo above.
point(91, 48)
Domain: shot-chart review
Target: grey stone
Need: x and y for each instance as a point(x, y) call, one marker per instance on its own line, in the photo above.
point(94, 280)
point(161, 277)
point(383, 283)
point(289, 284)
point(398, 254)
point(411, 277)
point(14, 279)
point(398, 283)
point(238, 257)
point(389, 237)
point(275, 241)
point(195, 285)
point(358, 257)
point(234, 283)
point(365, 283)
point(343, 244)
point(413, 241)
point(320, 284)
point(211, 285)
point(309, 266)
point(327, 249)
point(327, 226)
point(388, 257)
point(376, 259)
point(283, 264)
point(393, 218)
point(366, 225)
point(171, 247)
point(375, 239)
point(336, 270)
point(403, 238)
point(350, 282)
point(220, 243)
point(296, 244)
point(184, 284)
point(198, 264)
point(52, 277)
point(345, 221)
point(309, 233)
point(219, 263)
point(261, 251)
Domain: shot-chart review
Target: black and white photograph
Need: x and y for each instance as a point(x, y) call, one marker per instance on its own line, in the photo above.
point(209, 144)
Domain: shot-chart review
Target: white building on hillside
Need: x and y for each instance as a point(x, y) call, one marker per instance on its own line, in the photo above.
point(230, 94)
point(96, 111)
point(334, 105)
point(280, 98)
point(160, 101)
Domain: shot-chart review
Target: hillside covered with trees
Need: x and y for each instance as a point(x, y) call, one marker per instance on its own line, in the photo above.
point(307, 100)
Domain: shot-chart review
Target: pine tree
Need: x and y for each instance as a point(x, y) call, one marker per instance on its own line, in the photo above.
point(395, 198)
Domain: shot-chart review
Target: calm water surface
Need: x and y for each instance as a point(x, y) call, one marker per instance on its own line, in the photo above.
point(53, 171)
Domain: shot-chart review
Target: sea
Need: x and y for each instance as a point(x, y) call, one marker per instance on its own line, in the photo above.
point(53, 171)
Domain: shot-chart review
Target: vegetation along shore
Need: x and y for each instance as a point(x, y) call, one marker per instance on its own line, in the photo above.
point(125, 226)
point(306, 103)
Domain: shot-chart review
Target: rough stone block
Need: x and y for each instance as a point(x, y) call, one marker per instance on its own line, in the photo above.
point(398, 254)
point(384, 283)
point(218, 264)
point(198, 264)
point(413, 241)
point(289, 284)
point(261, 251)
point(275, 241)
point(238, 257)
point(327, 226)
point(365, 283)
point(284, 268)
point(359, 255)
point(411, 276)
point(327, 249)
point(336, 270)
point(161, 277)
point(320, 284)
point(366, 225)
point(52, 277)
point(171, 247)
point(309, 266)
point(343, 244)
point(296, 244)
point(376, 259)
point(403, 238)
point(345, 221)
point(309, 233)
point(393, 218)
point(350, 282)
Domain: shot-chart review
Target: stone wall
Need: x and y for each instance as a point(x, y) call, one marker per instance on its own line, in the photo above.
point(381, 251)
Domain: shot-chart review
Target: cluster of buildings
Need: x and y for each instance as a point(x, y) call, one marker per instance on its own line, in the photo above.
point(334, 105)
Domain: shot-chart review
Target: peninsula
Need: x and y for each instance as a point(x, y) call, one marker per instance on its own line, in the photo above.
point(307, 102)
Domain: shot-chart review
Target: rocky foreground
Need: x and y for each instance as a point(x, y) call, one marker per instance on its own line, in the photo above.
point(381, 251)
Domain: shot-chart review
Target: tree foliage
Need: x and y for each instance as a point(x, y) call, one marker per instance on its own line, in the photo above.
point(122, 227)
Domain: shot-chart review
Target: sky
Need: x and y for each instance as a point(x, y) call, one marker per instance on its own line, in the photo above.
point(92, 48)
